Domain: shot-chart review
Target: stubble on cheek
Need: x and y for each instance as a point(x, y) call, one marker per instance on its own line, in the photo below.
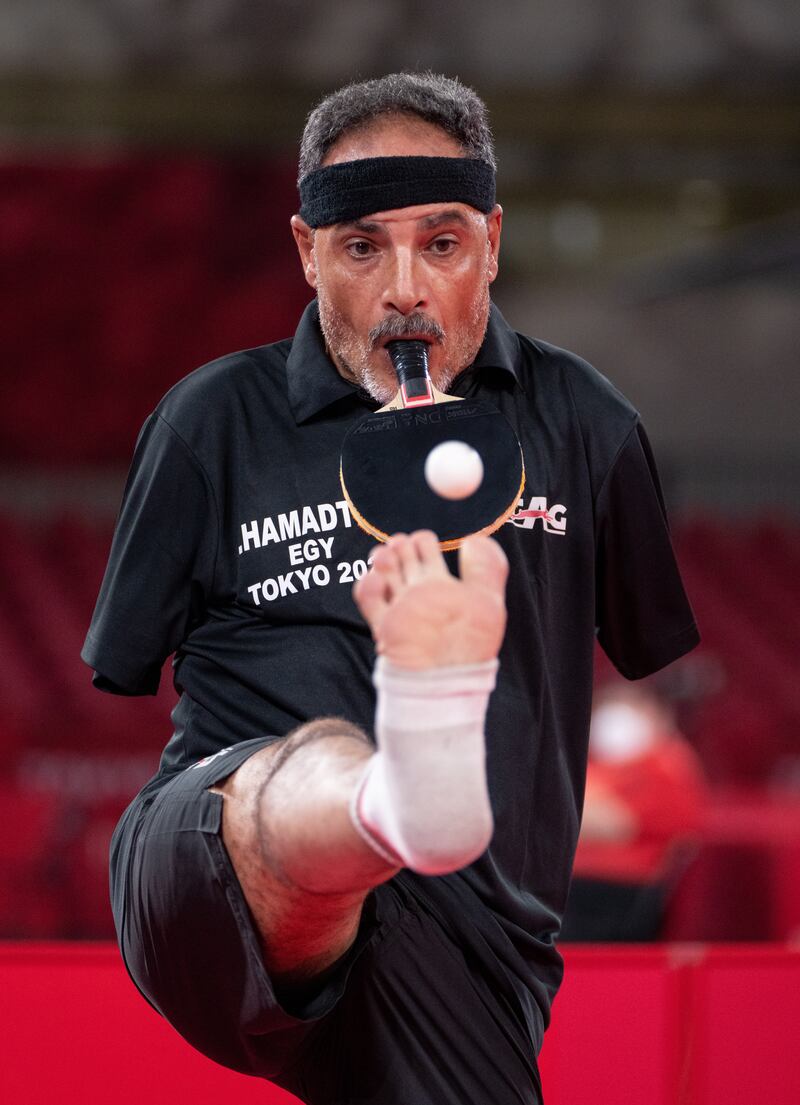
point(351, 353)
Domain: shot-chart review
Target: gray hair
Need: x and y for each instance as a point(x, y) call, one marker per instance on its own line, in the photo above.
point(443, 101)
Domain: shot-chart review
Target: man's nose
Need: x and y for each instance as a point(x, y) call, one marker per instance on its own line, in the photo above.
point(405, 289)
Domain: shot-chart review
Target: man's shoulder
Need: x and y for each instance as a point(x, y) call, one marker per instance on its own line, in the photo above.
point(548, 366)
point(227, 381)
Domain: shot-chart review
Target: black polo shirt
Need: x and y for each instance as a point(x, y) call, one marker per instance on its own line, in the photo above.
point(235, 551)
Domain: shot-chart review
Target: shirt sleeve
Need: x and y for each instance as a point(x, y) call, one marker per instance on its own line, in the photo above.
point(160, 569)
point(644, 620)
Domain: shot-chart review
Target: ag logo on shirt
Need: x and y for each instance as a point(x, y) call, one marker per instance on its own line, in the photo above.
point(553, 519)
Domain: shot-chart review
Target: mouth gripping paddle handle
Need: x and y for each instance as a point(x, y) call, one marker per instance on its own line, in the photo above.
point(410, 361)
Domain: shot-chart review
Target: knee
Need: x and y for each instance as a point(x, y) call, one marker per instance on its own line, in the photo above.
point(251, 779)
point(280, 796)
point(334, 728)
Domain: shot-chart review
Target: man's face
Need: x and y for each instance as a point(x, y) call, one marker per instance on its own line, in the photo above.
point(416, 272)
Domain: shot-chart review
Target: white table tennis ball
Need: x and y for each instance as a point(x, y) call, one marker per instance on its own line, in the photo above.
point(454, 470)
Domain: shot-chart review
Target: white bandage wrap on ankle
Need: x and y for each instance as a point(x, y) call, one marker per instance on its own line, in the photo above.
point(424, 802)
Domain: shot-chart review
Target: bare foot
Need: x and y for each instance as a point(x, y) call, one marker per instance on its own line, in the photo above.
point(420, 615)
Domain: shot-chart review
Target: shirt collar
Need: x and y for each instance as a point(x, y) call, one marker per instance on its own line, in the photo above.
point(313, 380)
point(314, 383)
point(500, 348)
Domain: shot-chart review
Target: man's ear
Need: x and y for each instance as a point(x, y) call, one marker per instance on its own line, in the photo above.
point(304, 236)
point(494, 226)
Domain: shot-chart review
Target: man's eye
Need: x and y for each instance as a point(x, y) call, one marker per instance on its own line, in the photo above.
point(442, 246)
point(360, 248)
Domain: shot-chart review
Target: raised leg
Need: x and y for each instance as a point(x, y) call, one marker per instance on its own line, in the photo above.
point(304, 866)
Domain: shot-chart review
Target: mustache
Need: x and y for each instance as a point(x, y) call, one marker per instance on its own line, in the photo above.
point(398, 326)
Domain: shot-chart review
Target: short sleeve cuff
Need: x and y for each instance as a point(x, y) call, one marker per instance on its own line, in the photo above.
point(113, 674)
point(653, 656)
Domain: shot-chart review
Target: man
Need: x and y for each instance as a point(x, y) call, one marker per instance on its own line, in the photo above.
point(365, 926)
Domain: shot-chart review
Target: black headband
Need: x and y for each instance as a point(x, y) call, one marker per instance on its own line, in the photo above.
point(343, 192)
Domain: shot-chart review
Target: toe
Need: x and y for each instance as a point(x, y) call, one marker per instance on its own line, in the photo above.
point(372, 594)
point(386, 564)
point(408, 557)
point(481, 561)
point(426, 544)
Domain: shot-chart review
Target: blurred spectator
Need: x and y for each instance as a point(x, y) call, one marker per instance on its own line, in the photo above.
point(644, 804)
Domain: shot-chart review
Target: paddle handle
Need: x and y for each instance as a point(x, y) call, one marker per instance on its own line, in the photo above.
point(410, 360)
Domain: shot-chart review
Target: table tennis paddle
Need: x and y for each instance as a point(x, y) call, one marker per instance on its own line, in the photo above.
point(382, 467)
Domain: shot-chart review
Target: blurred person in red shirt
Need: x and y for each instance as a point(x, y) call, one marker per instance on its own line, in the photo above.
point(643, 809)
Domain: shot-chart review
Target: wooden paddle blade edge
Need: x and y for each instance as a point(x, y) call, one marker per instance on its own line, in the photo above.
point(457, 542)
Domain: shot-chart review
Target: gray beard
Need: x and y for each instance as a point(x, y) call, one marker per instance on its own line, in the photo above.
point(356, 364)
point(383, 392)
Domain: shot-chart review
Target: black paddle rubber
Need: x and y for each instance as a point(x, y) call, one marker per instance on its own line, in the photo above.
point(383, 463)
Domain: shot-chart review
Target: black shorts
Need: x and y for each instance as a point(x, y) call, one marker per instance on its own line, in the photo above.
point(418, 1012)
